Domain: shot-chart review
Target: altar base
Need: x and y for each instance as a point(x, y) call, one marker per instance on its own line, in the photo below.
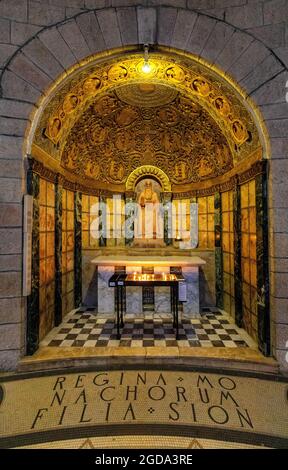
point(162, 304)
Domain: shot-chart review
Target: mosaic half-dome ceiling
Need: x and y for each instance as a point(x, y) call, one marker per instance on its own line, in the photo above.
point(105, 124)
point(112, 138)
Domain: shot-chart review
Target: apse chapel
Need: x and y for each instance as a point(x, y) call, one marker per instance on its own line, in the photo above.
point(149, 186)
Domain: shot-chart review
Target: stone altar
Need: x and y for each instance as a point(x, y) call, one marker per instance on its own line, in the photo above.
point(190, 270)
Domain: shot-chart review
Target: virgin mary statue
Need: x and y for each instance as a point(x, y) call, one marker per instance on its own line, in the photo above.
point(149, 220)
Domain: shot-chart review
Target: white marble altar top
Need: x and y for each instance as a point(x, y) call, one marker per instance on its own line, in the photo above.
point(148, 261)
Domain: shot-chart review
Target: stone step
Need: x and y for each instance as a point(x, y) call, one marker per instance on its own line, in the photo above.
point(246, 360)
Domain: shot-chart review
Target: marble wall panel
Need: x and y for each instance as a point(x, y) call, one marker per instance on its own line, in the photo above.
point(89, 279)
point(133, 294)
point(191, 275)
point(162, 302)
point(106, 302)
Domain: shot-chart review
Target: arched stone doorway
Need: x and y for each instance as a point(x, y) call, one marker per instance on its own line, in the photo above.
point(41, 82)
point(91, 143)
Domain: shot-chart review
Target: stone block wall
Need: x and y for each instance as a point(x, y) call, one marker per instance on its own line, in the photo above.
point(40, 39)
point(20, 20)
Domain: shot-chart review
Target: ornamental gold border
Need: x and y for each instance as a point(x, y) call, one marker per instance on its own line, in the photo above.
point(146, 171)
point(257, 168)
point(117, 53)
point(171, 73)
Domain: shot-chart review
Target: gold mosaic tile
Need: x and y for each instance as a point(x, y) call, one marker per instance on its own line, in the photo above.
point(245, 245)
point(50, 294)
point(210, 202)
point(42, 245)
point(42, 219)
point(225, 221)
point(42, 191)
point(252, 219)
point(85, 239)
point(50, 219)
point(210, 241)
point(50, 244)
point(85, 203)
point(50, 269)
point(244, 220)
point(70, 260)
point(244, 196)
point(69, 240)
point(252, 193)
point(50, 194)
point(42, 272)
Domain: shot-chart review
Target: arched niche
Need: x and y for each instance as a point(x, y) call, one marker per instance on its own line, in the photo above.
point(146, 171)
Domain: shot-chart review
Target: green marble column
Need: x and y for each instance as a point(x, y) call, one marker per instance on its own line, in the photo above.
point(166, 200)
point(263, 311)
point(237, 255)
point(129, 214)
point(78, 249)
point(194, 226)
point(58, 252)
point(33, 307)
point(218, 250)
point(102, 224)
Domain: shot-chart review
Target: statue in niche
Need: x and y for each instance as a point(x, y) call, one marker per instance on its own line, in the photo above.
point(149, 226)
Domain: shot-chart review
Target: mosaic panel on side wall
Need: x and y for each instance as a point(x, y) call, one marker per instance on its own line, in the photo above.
point(89, 216)
point(206, 222)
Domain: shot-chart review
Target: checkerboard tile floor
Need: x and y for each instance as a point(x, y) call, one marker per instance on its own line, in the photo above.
point(87, 329)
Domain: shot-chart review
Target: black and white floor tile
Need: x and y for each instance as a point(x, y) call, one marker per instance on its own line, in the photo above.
point(87, 329)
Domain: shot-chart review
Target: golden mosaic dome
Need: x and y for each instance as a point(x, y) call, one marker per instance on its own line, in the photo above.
point(113, 138)
point(111, 119)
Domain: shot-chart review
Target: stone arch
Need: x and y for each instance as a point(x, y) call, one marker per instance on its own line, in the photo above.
point(146, 171)
point(45, 59)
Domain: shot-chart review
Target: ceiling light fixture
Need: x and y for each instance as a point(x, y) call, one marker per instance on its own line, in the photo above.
point(146, 66)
